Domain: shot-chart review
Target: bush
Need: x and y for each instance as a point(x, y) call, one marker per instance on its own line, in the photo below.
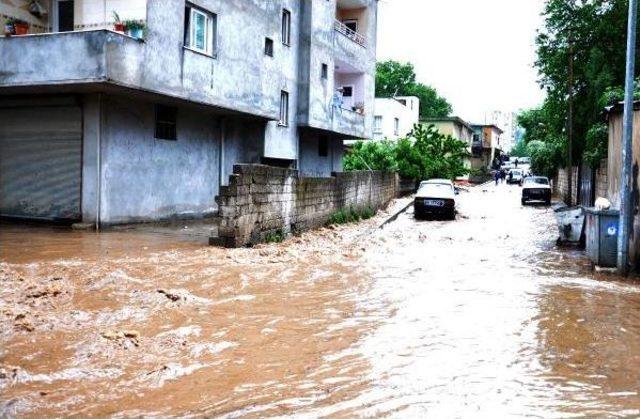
point(351, 215)
point(276, 236)
point(425, 154)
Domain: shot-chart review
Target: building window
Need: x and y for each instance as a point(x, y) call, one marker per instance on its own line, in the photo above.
point(396, 126)
point(284, 109)
point(200, 30)
point(286, 27)
point(377, 124)
point(268, 47)
point(324, 74)
point(323, 146)
point(166, 123)
point(352, 24)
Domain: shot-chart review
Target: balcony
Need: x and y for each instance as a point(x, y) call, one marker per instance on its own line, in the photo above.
point(356, 37)
point(44, 59)
point(349, 123)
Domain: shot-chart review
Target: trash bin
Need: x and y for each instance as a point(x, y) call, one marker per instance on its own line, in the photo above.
point(602, 236)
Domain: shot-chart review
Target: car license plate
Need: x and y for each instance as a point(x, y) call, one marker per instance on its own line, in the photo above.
point(434, 202)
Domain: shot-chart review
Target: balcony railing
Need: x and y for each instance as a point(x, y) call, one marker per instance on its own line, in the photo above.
point(350, 33)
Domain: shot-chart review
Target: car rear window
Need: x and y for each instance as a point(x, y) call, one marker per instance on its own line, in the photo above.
point(434, 188)
point(538, 180)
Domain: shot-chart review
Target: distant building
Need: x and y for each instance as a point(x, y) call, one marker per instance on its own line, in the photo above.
point(394, 118)
point(457, 128)
point(487, 145)
point(507, 123)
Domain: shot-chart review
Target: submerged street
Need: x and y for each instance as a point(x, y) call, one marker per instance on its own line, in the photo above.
point(479, 316)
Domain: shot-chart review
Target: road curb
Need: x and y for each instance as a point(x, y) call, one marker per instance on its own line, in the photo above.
point(396, 215)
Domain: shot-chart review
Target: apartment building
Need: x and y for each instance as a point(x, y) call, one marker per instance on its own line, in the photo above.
point(394, 118)
point(107, 127)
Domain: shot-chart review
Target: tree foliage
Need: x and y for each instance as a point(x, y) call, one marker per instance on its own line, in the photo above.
point(595, 32)
point(399, 79)
point(424, 154)
point(374, 155)
point(520, 150)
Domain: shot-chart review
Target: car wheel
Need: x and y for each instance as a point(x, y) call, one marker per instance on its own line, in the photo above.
point(523, 201)
point(452, 215)
point(548, 201)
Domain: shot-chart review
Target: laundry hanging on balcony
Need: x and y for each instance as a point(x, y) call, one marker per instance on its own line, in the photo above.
point(37, 9)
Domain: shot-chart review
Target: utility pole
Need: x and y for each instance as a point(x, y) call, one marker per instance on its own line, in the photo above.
point(570, 125)
point(627, 132)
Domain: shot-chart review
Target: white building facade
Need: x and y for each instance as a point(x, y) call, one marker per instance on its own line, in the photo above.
point(394, 118)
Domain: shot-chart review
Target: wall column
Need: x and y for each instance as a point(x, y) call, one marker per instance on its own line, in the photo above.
point(91, 133)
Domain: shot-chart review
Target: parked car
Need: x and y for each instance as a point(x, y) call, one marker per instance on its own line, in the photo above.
point(435, 197)
point(515, 176)
point(536, 188)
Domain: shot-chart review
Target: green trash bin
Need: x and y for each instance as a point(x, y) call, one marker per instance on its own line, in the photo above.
point(602, 236)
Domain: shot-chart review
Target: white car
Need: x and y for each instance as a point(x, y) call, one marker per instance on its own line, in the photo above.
point(515, 176)
point(435, 197)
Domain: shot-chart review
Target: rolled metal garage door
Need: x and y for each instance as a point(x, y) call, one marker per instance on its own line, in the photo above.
point(40, 162)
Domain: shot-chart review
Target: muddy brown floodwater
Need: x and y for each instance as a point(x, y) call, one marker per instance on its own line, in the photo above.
point(483, 316)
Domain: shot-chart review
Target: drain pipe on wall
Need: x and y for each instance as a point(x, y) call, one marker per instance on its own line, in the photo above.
point(99, 163)
point(627, 142)
point(223, 133)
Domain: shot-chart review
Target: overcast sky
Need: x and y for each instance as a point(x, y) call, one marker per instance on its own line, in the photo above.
point(476, 53)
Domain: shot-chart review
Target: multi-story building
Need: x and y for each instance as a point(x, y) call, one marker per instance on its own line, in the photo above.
point(105, 127)
point(394, 118)
point(487, 145)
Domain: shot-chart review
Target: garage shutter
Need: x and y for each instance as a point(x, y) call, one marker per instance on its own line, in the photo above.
point(40, 162)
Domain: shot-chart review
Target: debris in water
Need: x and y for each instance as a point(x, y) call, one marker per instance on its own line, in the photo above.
point(170, 295)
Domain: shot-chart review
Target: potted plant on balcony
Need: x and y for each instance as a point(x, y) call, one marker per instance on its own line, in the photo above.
point(135, 28)
point(9, 29)
point(118, 26)
point(15, 26)
point(20, 27)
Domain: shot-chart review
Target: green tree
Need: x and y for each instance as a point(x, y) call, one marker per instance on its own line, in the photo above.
point(374, 155)
point(425, 154)
point(595, 30)
point(441, 156)
point(546, 156)
point(399, 79)
point(520, 150)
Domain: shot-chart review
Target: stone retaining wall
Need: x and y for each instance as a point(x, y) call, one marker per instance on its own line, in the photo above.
point(263, 200)
point(561, 184)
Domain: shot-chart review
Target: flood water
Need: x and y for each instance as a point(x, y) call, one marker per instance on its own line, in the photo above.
point(483, 316)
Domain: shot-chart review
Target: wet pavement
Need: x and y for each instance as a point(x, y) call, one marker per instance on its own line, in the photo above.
point(483, 316)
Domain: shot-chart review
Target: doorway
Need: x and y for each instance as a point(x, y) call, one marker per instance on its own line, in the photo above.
point(63, 16)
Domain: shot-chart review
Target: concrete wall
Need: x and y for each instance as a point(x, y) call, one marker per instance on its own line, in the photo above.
point(262, 200)
point(314, 165)
point(561, 184)
point(146, 179)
